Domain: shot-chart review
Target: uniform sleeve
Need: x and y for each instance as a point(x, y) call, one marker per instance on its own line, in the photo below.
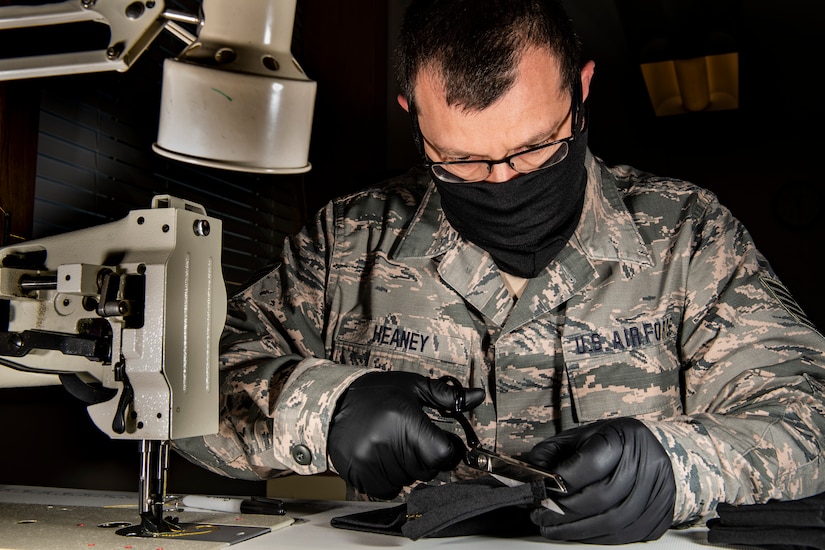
point(278, 391)
point(754, 396)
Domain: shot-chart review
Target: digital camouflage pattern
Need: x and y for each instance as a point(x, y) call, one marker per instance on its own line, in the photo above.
point(660, 307)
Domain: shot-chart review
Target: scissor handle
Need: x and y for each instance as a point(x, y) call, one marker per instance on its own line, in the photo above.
point(460, 395)
point(458, 410)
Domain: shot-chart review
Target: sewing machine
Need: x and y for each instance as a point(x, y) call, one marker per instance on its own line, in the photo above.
point(127, 317)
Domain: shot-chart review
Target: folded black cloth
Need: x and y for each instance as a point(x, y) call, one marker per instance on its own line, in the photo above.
point(386, 521)
point(482, 506)
point(777, 524)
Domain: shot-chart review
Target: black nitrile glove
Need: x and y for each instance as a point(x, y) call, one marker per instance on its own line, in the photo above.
point(620, 482)
point(380, 439)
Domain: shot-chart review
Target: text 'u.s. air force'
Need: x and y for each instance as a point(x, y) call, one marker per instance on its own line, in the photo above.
point(623, 338)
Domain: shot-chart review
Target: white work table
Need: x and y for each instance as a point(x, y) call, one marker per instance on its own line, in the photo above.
point(310, 529)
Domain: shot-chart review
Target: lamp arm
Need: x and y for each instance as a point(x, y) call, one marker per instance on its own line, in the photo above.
point(133, 27)
point(172, 20)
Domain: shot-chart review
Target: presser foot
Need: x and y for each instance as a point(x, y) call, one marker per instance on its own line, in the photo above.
point(151, 527)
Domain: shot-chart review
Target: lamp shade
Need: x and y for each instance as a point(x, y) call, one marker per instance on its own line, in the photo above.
point(236, 99)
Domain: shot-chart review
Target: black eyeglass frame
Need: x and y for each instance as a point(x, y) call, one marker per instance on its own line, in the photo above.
point(576, 107)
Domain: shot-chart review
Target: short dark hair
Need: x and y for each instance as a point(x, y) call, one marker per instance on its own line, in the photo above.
point(475, 45)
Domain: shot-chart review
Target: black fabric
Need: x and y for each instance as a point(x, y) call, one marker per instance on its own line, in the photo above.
point(774, 538)
point(777, 524)
point(386, 521)
point(480, 506)
point(524, 222)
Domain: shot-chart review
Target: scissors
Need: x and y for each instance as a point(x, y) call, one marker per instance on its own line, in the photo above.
point(479, 458)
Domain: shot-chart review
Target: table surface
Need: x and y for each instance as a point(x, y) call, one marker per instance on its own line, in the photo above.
point(311, 527)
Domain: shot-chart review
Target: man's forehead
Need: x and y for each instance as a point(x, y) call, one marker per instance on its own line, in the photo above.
point(523, 117)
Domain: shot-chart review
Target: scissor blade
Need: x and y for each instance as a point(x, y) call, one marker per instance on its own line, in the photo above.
point(506, 466)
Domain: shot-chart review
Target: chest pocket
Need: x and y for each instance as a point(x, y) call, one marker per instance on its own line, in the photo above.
point(395, 345)
point(626, 373)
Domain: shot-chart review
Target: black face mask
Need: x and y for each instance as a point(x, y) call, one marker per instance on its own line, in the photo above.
point(524, 222)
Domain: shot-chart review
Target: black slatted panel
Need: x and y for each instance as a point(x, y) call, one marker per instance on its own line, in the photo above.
point(95, 164)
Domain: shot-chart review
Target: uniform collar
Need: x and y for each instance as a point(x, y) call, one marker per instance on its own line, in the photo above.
point(606, 230)
point(429, 233)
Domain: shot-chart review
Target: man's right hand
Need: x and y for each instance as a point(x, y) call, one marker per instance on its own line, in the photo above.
point(380, 439)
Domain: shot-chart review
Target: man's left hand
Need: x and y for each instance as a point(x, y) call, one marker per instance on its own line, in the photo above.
point(620, 482)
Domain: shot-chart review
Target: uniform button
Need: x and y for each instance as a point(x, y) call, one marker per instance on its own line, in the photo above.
point(301, 455)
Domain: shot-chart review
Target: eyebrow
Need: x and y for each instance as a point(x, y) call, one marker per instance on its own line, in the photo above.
point(534, 140)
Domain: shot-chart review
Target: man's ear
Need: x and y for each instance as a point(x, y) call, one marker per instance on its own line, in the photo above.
point(587, 76)
point(403, 102)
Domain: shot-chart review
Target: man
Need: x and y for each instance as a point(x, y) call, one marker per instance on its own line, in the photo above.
point(619, 329)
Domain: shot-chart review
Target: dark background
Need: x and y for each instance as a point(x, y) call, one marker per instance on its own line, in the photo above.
point(762, 160)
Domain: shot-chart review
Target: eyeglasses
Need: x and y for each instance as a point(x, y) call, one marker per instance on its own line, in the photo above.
point(530, 160)
point(524, 162)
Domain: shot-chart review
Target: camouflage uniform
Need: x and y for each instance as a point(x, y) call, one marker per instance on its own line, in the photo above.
point(660, 307)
